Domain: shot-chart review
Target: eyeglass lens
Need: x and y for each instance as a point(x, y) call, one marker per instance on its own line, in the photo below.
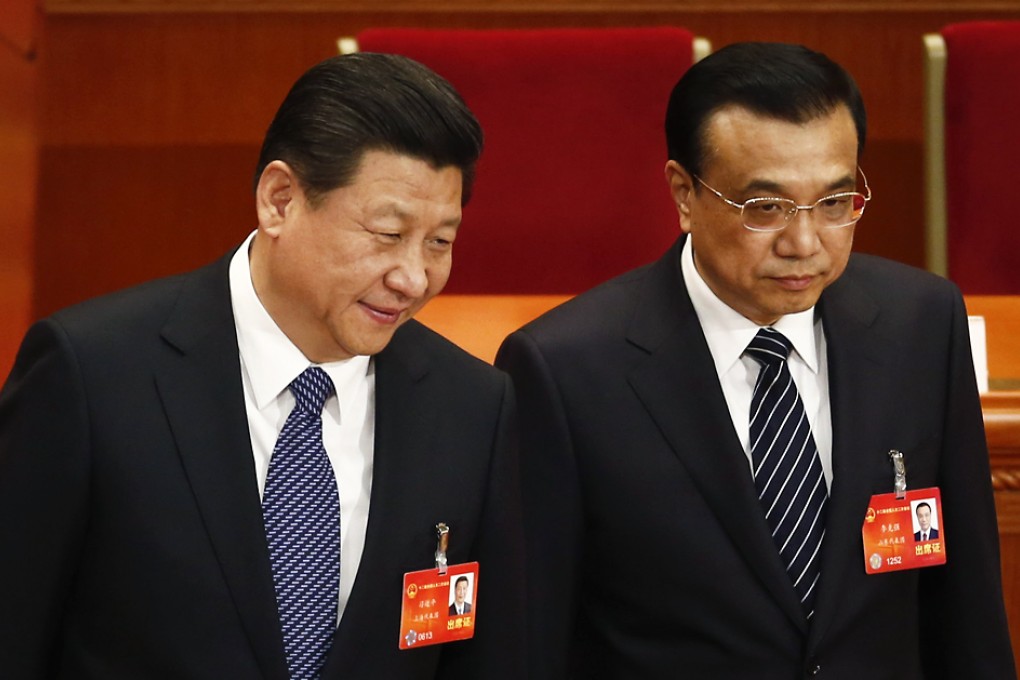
point(838, 210)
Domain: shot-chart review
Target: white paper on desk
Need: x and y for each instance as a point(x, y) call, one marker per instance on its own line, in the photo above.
point(979, 349)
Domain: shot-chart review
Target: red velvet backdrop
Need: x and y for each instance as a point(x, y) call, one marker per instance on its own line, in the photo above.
point(983, 155)
point(570, 187)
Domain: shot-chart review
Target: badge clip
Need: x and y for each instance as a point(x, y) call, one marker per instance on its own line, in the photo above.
point(900, 474)
point(442, 543)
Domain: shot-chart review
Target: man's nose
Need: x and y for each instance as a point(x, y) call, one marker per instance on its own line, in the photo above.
point(408, 275)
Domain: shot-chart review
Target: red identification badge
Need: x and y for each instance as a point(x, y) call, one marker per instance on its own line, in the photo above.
point(904, 533)
point(439, 607)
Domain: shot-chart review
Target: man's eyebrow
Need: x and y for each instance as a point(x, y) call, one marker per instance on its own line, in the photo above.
point(763, 185)
point(844, 183)
point(397, 209)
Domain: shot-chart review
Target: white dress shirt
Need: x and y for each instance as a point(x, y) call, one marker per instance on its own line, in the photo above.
point(728, 333)
point(269, 363)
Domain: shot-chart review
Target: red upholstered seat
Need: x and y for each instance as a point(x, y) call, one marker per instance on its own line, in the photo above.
point(570, 187)
point(982, 151)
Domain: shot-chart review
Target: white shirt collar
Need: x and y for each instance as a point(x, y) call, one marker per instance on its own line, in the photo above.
point(269, 358)
point(728, 332)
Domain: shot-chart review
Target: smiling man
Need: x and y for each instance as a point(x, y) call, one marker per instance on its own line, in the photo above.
point(226, 474)
point(703, 437)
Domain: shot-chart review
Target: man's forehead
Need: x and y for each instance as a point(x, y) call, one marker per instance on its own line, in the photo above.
point(766, 151)
point(735, 122)
point(389, 184)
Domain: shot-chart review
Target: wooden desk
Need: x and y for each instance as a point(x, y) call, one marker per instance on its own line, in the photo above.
point(1002, 325)
point(1001, 405)
point(478, 323)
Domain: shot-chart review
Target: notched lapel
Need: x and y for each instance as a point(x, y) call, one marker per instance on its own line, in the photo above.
point(678, 386)
point(200, 386)
point(857, 373)
point(404, 414)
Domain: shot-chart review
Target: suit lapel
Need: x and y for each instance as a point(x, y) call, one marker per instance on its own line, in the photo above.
point(857, 371)
point(678, 386)
point(402, 429)
point(200, 386)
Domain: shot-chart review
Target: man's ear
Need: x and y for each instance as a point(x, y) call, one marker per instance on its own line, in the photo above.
point(275, 196)
point(681, 187)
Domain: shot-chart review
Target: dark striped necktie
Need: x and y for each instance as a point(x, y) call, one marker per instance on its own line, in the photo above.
point(301, 512)
point(787, 469)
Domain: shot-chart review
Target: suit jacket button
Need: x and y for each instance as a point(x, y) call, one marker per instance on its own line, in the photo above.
point(814, 669)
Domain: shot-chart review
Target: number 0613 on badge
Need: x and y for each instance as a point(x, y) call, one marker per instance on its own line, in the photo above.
point(439, 607)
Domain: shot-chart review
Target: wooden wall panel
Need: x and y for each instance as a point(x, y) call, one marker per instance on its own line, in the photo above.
point(18, 30)
point(1007, 506)
point(18, 163)
point(126, 214)
point(518, 6)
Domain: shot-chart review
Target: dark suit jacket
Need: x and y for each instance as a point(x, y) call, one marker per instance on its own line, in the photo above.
point(453, 609)
point(131, 537)
point(933, 534)
point(647, 547)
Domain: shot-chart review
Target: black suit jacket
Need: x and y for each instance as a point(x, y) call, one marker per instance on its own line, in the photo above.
point(453, 609)
point(131, 537)
point(933, 534)
point(648, 549)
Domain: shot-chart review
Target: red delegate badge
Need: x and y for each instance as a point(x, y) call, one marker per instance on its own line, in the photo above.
point(439, 607)
point(904, 533)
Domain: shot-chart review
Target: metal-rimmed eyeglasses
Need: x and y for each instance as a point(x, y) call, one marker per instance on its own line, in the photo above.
point(774, 213)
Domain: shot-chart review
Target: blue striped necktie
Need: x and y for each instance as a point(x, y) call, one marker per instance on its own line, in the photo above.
point(787, 469)
point(301, 512)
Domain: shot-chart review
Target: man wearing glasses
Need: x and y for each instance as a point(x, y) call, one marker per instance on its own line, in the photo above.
point(704, 436)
